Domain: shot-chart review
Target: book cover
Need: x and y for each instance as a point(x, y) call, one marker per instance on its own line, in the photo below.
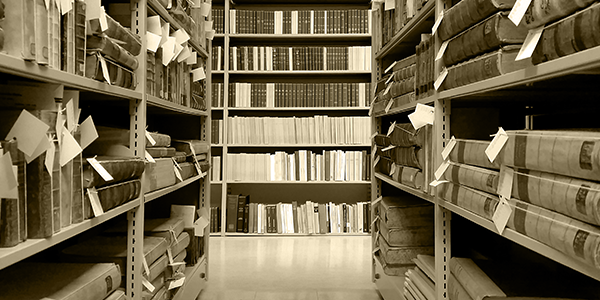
point(13, 228)
point(477, 10)
point(232, 212)
point(42, 32)
point(113, 195)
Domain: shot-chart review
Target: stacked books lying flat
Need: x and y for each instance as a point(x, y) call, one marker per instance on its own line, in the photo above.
point(398, 85)
point(300, 22)
point(218, 95)
point(554, 190)
point(405, 226)
point(265, 58)
point(392, 20)
point(346, 94)
point(403, 154)
point(215, 219)
point(315, 130)
point(216, 132)
point(301, 165)
point(216, 169)
point(218, 15)
point(218, 58)
point(307, 218)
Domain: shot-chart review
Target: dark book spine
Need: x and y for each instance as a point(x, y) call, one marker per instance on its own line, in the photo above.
point(240, 214)
point(246, 213)
point(80, 36)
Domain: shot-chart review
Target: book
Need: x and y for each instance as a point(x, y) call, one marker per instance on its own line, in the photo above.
point(405, 211)
point(130, 41)
point(542, 12)
point(408, 235)
point(246, 214)
point(42, 32)
point(19, 29)
point(159, 175)
point(181, 243)
point(158, 267)
point(490, 34)
point(191, 147)
point(476, 10)
point(474, 177)
point(401, 255)
point(119, 294)
point(409, 156)
point(111, 49)
point(120, 168)
point(117, 74)
point(80, 37)
point(60, 281)
point(232, 213)
point(113, 195)
point(161, 151)
point(241, 206)
point(13, 229)
point(472, 152)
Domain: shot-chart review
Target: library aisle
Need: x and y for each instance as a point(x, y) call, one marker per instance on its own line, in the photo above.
point(282, 268)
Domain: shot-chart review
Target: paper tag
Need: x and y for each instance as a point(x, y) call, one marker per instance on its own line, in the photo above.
point(437, 22)
point(168, 51)
point(147, 285)
point(145, 265)
point(199, 226)
point(518, 11)
point(374, 135)
point(448, 148)
point(66, 6)
point(438, 82)
point(177, 51)
point(103, 21)
point(198, 74)
point(389, 106)
point(150, 138)
point(376, 201)
point(531, 41)
point(153, 25)
point(393, 169)
point(8, 184)
point(177, 173)
point(181, 36)
point(390, 147)
point(210, 34)
point(193, 59)
point(29, 131)
point(505, 183)
point(176, 283)
point(374, 149)
point(44, 145)
point(49, 160)
point(422, 116)
point(502, 215)
point(208, 25)
point(104, 68)
point(435, 183)
point(390, 4)
point(184, 55)
point(390, 67)
point(60, 121)
point(175, 163)
point(440, 53)
point(88, 132)
point(389, 79)
point(95, 201)
point(391, 129)
point(92, 9)
point(165, 29)
point(152, 41)
point(149, 157)
point(376, 161)
point(387, 89)
point(69, 148)
point(70, 116)
point(100, 169)
point(496, 145)
point(177, 264)
point(204, 9)
point(371, 110)
point(47, 3)
point(441, 170)
point(170, 255)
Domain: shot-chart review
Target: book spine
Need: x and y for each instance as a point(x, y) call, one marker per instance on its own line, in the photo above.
point(114, 195)
point(42, 33)
point(13, 229)
point(80, 36)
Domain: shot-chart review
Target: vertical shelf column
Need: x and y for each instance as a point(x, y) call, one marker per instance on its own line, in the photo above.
point(205, 188)
point(442, 216)
point(224, 161)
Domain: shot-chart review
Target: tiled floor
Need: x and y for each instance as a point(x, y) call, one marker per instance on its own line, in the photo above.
point(290, 268)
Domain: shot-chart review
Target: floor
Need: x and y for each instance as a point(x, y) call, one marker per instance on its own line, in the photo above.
point(290, 268)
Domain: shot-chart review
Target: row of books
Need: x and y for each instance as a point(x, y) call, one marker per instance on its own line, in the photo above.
point(218, 15)
point(341, 94)
point(265, 58)
point(393, 16)
point(285, 218)
point(300, 22)
point(217, 94)
point(317, 130)
point(216, 169)
point(216, 132)
point(217, 58)
point(299, 165)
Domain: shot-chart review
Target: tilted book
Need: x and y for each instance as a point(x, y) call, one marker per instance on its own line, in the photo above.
point(179, 245)
point(159, 175)
point(405, 135)
point(113, 195)
point(111, 49)
point(128, 40)
point(472, 152)
point(161, 151)
point(401, 255)
point(405, 211)
point(42, 32)
point(158, 267)
point(118, 75)
point(541, 12)
point(392, 269)
point(466, 13)
point(160, 139)
point(120, 168)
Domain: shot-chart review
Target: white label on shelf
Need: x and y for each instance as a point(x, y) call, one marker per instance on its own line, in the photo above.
point(69, 147)
point(388, 148)
point(177, 173)
point(390, 4)
point(376, 201)
point(193, 59)
point(199, 226)
point(150, 138)
point(443, 48)
point(205, 9)
point(103, 21)
point(391, 129)
point(393, 169)
point(423, 115)
point(8, 184)
point(389, 106)
point(149, 157)
point(95, 202)
point(505, 183)
point(531, 41)
point(518, 11)
point(496, 145)
point(389, 79)
point(145, 265)
point(441, 170)
point(376, 161)
point(100, 169)
point(449, 148)
point(435, 183)
point(29, 131)
point(104, 68)
point(198, 74)
point(437, 22)
point(176, 283)
point(438, 82)
point(390, 67)
point(170, 254)
point(147, 285)
point(501, 215)
point(152, 41)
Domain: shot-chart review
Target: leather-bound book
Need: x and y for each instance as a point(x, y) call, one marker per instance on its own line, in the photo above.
point(408, 176)
point(478, 202)
point(110, 48)
point(411, 236)
point(150, 74)
point(467, 13)
point(541, 12)
point(187, 170)
point(130, 41)
point(182, 242)
point(159, 266)
point(19, 29)
point(114, 195)
point(191, 146)
point(474, 177)
point(472, 152)
point(231, 213)
point(393, 269)
point(119, 75)
point(491, 34)
point(80, 37)
point(59, 281)
point(401, 255)
point(42, 32)
point(168, 228)
point(486, 66)
point(120, 168)
point(181, 257)
point(382, 140)
point(572, 34)
point(161, 151)
point(66, 194)
point(402, 87)
point(405, 135)
point(194, 250)
point(119, 294)
point(113, 249)
point(161, 139)
point(13, 227)
point(406, 211)
point(159, 175)
point(409, 156)
point(68, 42)
point(180, 157)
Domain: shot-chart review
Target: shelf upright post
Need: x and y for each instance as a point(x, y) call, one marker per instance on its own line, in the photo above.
point(205, 135)
point(225, 149)
point(441, 134)
point(137, 113)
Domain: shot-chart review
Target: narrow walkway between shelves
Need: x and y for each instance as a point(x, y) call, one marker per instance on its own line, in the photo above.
point(290, 268)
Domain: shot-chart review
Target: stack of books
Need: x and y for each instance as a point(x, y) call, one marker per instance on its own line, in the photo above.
point(217, 95)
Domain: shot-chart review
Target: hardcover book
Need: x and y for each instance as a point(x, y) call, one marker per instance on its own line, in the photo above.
point(161, 151)
point(113, 195)
point(118, 75)
point(410, 236)
point(159, 175)
point(19, 29)
point(401, 255)
point(13, 229)
point(42, 32)
point(466, 13)
point(231, 213)
point(405, 212)
point(110, 48)
point(120, 168)
point(541, 12)
point(80, 37)
point(129, 40)
point(472, 152)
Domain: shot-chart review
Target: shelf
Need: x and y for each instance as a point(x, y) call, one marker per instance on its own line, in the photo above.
point(9, 256)
point(296, 182)
point(298, 108)
point(170, 107)
point(217, 72)
point(587, 61)
point(216, 145)
point(219, 35)
point(525, 241)
point(317, 72)
point(305, 2)
point(350, 37)
point(216, 182)
point(299, 146)
point(20, 67)
point(216, 108)
point(404, 42)
point(241, 234)
point(161, 192)
point(407, 107)
point(408, 189)
point(160, 10)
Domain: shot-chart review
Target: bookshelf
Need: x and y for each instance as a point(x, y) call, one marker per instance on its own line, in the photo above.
point(133, 109)
point(271, 29)
point(531, 98)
